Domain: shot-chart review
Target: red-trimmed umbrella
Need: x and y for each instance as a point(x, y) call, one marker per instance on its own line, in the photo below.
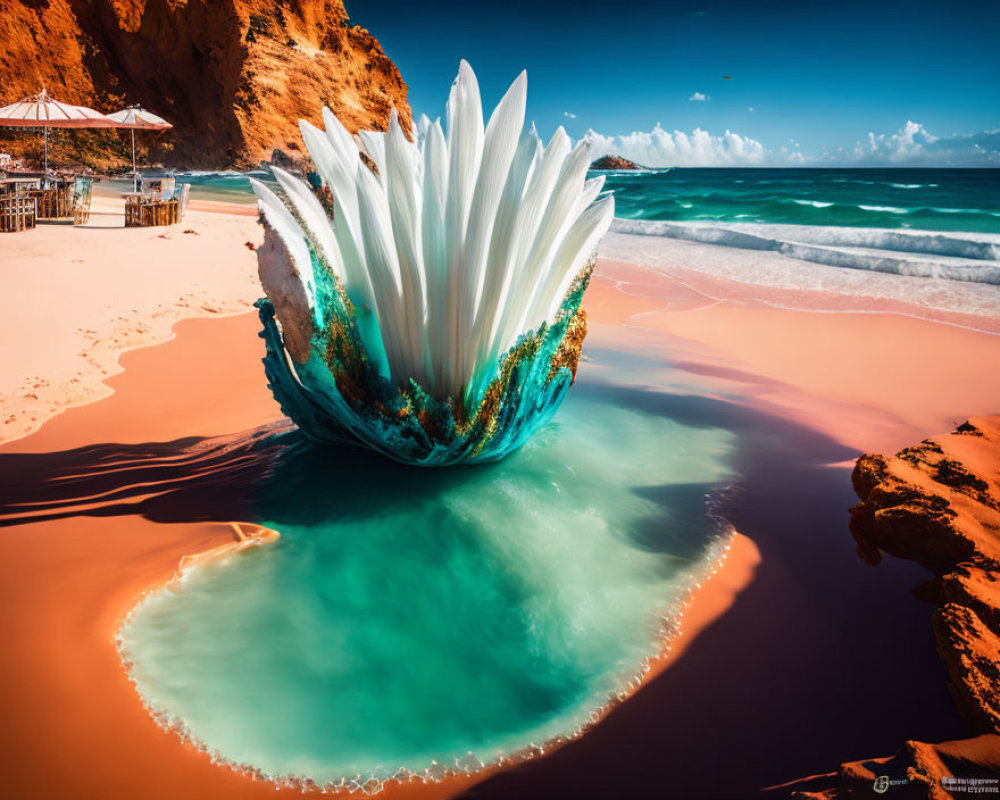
point(41, 111)
point(135, 118)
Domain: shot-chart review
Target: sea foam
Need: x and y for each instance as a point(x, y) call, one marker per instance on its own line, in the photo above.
point(958, 257)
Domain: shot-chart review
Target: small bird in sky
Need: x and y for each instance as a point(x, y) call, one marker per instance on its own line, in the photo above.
point(727, 77)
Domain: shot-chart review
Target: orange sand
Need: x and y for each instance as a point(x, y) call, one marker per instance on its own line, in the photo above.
point(73, 726)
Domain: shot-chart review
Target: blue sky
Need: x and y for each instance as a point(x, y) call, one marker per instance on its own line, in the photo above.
point(810, 77)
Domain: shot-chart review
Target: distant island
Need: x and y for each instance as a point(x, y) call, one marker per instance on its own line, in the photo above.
point(614, 162)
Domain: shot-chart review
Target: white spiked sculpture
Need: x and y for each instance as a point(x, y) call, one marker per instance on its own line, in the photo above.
point(436, 316)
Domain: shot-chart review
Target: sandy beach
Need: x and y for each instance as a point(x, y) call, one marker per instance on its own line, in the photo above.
point(106, 290)
point(809, 385)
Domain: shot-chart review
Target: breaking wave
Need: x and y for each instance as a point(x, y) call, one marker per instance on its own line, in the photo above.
point(958, 257)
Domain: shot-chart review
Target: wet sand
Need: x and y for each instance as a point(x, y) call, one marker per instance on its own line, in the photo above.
point(818, 659)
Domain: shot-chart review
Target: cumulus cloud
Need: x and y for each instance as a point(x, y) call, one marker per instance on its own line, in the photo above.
point(911, 145)
point(914, 145)
point(569, 115)
point(661, 148)
point(699, 97)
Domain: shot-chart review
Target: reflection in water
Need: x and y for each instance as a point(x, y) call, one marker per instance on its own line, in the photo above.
point(410, 615)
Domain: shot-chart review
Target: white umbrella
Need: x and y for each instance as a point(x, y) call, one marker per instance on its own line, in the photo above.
point(41, 111)
point(134, 117)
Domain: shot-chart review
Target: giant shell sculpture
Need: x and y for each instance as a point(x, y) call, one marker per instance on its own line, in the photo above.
point(430, 309)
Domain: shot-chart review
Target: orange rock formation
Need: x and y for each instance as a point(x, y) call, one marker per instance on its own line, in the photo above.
point(938, 504)
point(233, 76)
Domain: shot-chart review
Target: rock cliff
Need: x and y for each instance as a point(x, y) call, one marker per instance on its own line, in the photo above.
point(233, 76)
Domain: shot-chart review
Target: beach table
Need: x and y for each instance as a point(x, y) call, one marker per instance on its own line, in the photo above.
point(146, 209)
point(18, 184)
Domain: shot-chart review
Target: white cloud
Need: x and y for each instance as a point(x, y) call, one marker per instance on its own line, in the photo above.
point(569, 115)
point(914, 145)
point(698, 96)
point(661, 148)
point(750, 108)
point(911, 145)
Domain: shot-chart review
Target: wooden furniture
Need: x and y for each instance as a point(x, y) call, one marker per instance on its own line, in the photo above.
point(17, 208)
point(142, 211)
point(18, 184)
point(55, 202)
point(133, 209)
point(17, 212)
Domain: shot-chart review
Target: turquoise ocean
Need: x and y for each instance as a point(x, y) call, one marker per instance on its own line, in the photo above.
point(921, 199)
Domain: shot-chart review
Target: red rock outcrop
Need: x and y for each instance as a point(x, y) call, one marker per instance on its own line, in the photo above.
point(614, 162)
point(233, 76)
point(938, 504)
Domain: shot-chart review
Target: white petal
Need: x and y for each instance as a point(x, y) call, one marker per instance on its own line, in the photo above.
point(435, 182)
point(380, 255)
point(404, 212)
point(311, 212)
point(373, 144)
point(500, 259)
point(339, 137)
point(571, 257)
point(465, 149)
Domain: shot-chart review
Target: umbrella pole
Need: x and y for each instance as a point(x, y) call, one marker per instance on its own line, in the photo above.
point(45, 175)
point(135, 177)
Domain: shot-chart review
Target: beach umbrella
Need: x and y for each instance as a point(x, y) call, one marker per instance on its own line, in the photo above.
point(42, 111)
point(135, 118)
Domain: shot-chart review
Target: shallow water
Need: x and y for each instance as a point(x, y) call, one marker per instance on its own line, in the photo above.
point(410, 615)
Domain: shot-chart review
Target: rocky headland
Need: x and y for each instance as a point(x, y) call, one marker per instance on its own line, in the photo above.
point(233, 76)
point(613, 162)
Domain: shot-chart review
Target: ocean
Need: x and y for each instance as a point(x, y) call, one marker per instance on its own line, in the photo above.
point(928, 223)
point(919, 199)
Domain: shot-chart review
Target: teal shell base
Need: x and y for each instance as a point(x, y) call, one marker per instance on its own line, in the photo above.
point(337, 396)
